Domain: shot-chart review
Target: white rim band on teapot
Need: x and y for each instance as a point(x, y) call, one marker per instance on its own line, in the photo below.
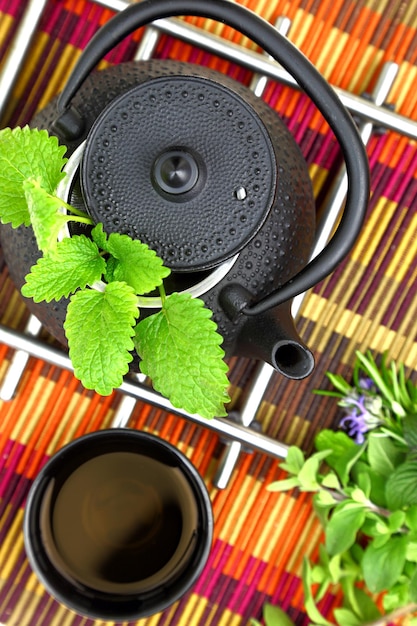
point(148, 302)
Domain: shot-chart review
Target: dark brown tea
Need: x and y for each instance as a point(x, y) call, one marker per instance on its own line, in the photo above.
point(121, 522)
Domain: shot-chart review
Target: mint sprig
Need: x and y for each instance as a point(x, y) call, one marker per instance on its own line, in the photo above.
point(181, 343)
point(26, 154)
point(106, 274)
point(133, 262)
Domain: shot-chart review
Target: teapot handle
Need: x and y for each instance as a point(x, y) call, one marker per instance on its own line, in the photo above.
point(308, 78)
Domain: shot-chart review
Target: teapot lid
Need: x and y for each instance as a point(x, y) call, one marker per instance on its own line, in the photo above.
point(184, 164)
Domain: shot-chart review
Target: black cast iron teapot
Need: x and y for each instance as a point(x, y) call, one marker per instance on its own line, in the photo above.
point(204, 172)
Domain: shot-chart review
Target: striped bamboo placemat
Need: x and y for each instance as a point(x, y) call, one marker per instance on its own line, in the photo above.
point(369, 302)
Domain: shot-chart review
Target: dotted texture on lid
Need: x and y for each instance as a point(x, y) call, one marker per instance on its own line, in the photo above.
point(217, 131)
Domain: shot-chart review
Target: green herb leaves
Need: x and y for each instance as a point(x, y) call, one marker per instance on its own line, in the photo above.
point(99, 327)
point(108, 277)
point(364, 489)
point(132, 261)
point(26, 154)
point(73, 264)
point(181, 342)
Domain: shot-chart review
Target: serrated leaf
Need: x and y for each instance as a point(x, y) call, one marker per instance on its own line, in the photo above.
point(73, 264)
point(383, 565)
point(401, 489)
point(99, 327)
point(136, 263)
point(44, 213)
point(99, 236)
point(180, 351)
point(25, 154)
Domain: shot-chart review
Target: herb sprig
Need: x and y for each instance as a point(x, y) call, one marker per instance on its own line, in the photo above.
point(364, 481)
point(105, 276)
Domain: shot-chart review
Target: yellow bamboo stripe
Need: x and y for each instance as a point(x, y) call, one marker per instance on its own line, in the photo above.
point(374, 229)
point(10, 549)
point(311, 536)
point(335, 43)
point(318, 177)
point(6, 23)
point(34, 586)
point(404, 85)
point(26, 421)
point(243, 503)
point(406, 252)
point(274, 526)
point(233, 619)
point(302, 23)
point(16, 311)
point(347, 323)
point(66, 63)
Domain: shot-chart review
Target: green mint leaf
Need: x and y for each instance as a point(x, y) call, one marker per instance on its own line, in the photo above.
point(180, 351)
point(308, 474)
point(330, 481)
point(345, 617)
point(309, 601)
point(363, 474)
point(401, 489)
point(137, 264)
point(359, 601)
point(345, 451)
point(413, 587)
point(294, 460)
point(286, 484)
point(344, 523)
point(99, 328)
point(397, 597)
point(383, 454)
point(411, 518)
point(26, 153)
point(274, 616)
point(382, 566)
point(44, 213)
point(73, 264)
point(410, 430)
point(99, 236)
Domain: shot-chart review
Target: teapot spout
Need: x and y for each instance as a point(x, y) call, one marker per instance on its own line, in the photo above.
point(273, 338)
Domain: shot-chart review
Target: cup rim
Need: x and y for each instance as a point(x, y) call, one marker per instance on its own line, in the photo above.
point(102, 605)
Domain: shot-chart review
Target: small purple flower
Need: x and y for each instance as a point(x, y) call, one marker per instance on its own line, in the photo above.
point(358, 419)
point(366, 383)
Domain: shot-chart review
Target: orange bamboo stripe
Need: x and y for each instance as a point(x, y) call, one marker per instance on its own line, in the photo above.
point(20, 401)
point(44, 431)
point(282, 551)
